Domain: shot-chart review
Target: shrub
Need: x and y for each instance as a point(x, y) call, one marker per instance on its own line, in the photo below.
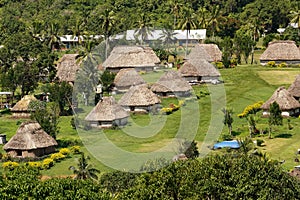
point(271, 64)
point(281, 65)
point(259, 142)
point(47, 163)
point(5, 157)
point(226, 137)
point(57, 157)
point(233, 62)
point(36, 165)
point(10, 165)
point(65, 151)
point(75, 149)
point(219, 65)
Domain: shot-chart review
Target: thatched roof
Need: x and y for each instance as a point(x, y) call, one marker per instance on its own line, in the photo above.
point(131, 56)
point(198, 67)
point(294, 89)
point(67, 67)
point(107, 109)
point(281, 50)
point(30, 135)
point(213, 51)
point(128, 77)
point(171, 81)
point(284, 99)
point(23, 104)
point(139, 95)
point(199, 52)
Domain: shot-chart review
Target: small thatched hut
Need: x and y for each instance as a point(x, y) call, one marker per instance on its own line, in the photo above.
point(213, 51)
point(281, 51)
point(198, 53)
point(126, 78)
point(294, 89)
point(287, 103)
point(30, 140)
point(199, 71)
point(67, 67)
point(107, 113)
point(140, 99)
point(138, 57)
point(21, 108)
point(171, 83)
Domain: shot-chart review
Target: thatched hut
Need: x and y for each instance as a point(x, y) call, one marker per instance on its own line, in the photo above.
point(199, 71)
point(30, 140)
point(171, 83)
point(138, 57)
point(198, 53)
point(67, 68)
point(21, 108)
point(294, 89)
point(126, 78)
point(213, 51)
point(140, 99)
point(107, 113)
point(281, 51)
point(287, 103)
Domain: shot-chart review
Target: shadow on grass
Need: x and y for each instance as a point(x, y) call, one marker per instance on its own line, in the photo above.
point(236, 133)
point(283, 135)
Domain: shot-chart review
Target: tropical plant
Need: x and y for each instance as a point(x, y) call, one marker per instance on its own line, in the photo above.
point(228, 119)
point(275, 117)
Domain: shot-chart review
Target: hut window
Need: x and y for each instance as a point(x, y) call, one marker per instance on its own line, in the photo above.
point(19, 152)
point(199, 78)
point(164, 94)
point(131, 108)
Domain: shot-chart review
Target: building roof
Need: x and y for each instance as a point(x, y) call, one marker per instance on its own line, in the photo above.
point(171, 81)
point(131, 56)
point(23, 104)
point(213, 51)
point(139, 95)
point(67, 67)
point(107, 109)
point(30, 135)
point(283, 98)
point(198, 67)
point(281, 50)
point(199, 52)
point(128, 77)
point(294, 89)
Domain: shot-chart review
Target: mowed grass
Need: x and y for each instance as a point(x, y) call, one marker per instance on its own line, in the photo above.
point(242, 86)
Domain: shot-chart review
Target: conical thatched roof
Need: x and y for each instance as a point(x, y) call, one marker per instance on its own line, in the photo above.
point(107, 110)
point(67, 67)
point(198, 67)
point(131, 56)
point(30, 135)
point(171, 81)
point(294, 89)
point(128, 77)
point(284, 99)
point(281, 50)
point(139, 95)
point(23, 104)
point(213, 51)
point(199, 52)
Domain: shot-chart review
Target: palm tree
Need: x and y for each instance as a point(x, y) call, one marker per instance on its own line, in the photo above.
point(84, 170)
point(203, 17)
point(143, 25)
point(78, 30)
point(176, 6)
point(215, 18)
point(168, 37)
point(187, 22)
point(295, 17)
point(228, 120)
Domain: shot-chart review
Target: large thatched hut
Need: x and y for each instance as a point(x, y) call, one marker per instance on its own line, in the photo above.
point(126, 78)
point(213, 51)
point(138, 57)
point(294, 89)
point(30, 140)
point(281, 51)
point(140, 99)
point(21, 108)
point(198, 53)
point(67, 67)
point(287, 103)
point(199, 71)
point(107, 113)
point(171, 83)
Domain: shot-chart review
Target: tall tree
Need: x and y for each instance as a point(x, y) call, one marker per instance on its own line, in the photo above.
point(295, 17)
point(275, 117)
point(143, 27)
point(228, 119)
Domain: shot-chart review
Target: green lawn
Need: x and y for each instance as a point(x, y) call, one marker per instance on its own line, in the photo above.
point(242, 86)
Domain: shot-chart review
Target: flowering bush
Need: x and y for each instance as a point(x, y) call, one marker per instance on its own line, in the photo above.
point(37, 165)
point(65, 151)
point(10, 165)
point(47, 163)
point(251, 109)
point(75, 149)
point(57, 157)
point(281, 65)
point(271, 64)
point(219, 65)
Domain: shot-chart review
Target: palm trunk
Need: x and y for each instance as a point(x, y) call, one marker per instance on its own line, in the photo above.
point(186, 43)
point(106, 47)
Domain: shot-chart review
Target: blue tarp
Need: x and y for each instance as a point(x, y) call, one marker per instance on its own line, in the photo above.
point(234, 144)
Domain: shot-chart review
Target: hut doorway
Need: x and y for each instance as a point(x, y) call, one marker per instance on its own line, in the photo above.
point(19, 152)
point(131, 108)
